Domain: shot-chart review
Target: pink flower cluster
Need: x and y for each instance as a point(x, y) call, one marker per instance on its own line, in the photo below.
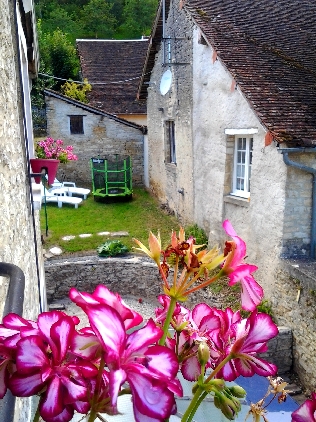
point(53, 149)
point(226, 335)
point(85, 370)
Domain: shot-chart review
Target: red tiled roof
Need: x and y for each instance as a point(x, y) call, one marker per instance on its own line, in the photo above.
point(118, 64)
point(269, 47)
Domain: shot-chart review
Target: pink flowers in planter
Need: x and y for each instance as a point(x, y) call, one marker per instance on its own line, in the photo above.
point(53, 149)
point(86, 370)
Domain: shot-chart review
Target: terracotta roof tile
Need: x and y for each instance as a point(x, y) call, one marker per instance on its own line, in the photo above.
point(118, 64)
point(269, 47)
point(270, 50)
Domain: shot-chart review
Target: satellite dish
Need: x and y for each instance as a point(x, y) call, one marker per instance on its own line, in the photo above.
point(165, 82)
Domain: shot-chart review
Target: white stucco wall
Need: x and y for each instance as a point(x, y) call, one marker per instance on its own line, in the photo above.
point(260, 221)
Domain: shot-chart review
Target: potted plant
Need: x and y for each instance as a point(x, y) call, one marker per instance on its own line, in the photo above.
point(50, 153)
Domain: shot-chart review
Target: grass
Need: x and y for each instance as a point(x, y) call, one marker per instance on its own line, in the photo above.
point(137, 217)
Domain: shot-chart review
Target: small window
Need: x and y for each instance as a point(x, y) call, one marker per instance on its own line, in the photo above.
point(170, 145)
point(76, 125)
point(242, 166)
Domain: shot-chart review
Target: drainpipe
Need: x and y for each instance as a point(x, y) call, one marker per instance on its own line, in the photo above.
point(13, 303)
point(312, 171)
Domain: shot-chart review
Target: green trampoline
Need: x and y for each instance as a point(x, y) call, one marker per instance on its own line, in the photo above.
point(111, 177)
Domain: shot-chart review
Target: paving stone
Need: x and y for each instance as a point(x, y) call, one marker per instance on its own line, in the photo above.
point(56, 251)
point(119, 234)
point(85, 235)
point(68, 237)
point(103, 233)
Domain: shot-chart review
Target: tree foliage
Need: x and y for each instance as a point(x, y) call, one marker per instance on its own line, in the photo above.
point(76, 91)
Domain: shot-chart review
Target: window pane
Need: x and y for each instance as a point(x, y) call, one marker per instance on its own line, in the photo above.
point(76, 124)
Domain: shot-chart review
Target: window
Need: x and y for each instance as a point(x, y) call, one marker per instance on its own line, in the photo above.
point(76, 125)
point(170, 145)
point(242, 166)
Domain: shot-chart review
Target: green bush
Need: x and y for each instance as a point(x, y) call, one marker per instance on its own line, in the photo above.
point(112, 248)
point(198, 234)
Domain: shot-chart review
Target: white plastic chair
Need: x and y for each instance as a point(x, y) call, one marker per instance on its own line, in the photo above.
point(72, 189)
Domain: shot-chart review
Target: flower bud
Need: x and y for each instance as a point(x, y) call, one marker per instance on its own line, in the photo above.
point(238, 391)
point(203, 353)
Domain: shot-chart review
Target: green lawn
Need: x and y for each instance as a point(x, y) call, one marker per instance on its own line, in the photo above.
point(137, 217)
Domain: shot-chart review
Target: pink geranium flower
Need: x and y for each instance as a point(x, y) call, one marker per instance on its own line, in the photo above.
point(150, 369)
point(103, 295)
point(306, 412)
point(43, 365)
point(238, 271)
point(244, 340)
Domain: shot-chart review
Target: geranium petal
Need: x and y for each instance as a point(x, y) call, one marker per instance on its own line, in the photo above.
point(65, 416)
point(109, 328)
point(191, 369)
point(25, 385)
point(262, 329)
point(73, 391)
point(116, 378)
point(85, 345)
point(52, 404)
point(248, 366)
point(61, 333)
point(30, 355)
point(3, 378)
point(150, 397)
point(143, 337)
point(200, 311)
point(305, 413)
point(162, 361)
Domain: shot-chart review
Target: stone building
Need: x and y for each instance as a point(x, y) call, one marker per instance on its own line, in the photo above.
point(20, 245)
point(93, 133)
point(231, 106)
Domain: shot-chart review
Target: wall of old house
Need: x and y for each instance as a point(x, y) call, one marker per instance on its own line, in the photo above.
point(173, 183)
point(20, 233)
point(298, 208)
point(102, 136)
point(140, 119)
point(259, 220)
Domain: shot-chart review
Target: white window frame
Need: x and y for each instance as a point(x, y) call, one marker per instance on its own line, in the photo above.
point(242, 165)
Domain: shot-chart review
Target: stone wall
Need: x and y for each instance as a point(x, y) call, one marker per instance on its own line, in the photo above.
point(294, 304)
point(102, 136)
point(172, 183)
point(20, 231)
point(135, 275)
point(298, 208)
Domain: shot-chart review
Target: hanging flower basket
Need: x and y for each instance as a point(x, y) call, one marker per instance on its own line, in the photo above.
point(50, 166)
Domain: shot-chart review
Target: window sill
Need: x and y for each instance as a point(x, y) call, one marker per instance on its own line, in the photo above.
point(237, 200)
point(171, 167)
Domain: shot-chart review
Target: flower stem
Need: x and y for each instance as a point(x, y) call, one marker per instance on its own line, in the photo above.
point(166, 325)
point(37, 415)
point(200, 393)
point(93, 412)
point(194, 404)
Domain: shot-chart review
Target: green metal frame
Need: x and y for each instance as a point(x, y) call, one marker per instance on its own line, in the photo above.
point(111, 177)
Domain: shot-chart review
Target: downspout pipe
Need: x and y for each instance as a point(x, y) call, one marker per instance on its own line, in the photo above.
point(14, 303)
point(285, 152)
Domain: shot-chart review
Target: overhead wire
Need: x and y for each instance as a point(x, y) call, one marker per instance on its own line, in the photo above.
point(92, 83)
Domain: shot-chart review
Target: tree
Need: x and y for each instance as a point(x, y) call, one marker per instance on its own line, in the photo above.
point(76, 91)
point(138, 16)
point(59, 18)
point(97, 19)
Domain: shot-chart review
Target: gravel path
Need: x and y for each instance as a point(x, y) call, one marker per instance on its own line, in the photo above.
point(144, 307)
